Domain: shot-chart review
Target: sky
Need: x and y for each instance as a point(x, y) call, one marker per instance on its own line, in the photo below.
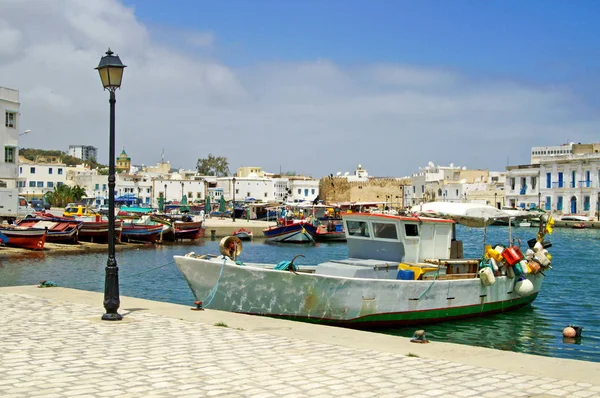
point(313, 86)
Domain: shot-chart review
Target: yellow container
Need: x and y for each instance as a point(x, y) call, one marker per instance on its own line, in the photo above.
point(492, 253)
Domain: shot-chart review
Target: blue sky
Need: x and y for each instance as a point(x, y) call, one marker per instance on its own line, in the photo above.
point(309, 86)
point(537, 41)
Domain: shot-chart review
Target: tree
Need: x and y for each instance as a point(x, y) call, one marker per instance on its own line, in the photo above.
point(213, 166)
point(64, 194)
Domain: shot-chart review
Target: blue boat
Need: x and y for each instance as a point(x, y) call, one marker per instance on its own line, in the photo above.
point(291, 232)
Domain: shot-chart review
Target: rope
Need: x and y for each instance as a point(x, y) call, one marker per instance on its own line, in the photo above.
point(213, 292)
point(432, 282)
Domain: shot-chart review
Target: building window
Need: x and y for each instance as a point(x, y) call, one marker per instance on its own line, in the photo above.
point(265, 194)
point(9, 154)
point(31, 184)
point(548, 203)
point(306, 192)
point(237, 191)
point(32, 170)
point(548, 180)
point(299, 191)
point(49, 170)
point(560, 180)
point(559, 203)
point(10, 119)
point(40, 184)
point(20, 170)
point(512, 184)
point(586, 203)
point(97, 187)
point(59, 184)
point(60, 171)
point(588, 179)
point(198, 196)
point(50, 184)
point(533, 182)
point(573, 178)
point(313, 191)
point(2, 184)
point(104, 187)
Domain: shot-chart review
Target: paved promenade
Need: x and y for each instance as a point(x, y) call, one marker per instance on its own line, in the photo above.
point(53, 344)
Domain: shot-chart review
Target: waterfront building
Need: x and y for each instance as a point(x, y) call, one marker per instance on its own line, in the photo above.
point(94, 183)
point(523, 186)
point(83, 152)
point(9, 137)
point(252, 187)
point(455, 184)
point(40, 176)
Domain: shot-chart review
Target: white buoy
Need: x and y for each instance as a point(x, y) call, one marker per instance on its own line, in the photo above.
point(523, 287)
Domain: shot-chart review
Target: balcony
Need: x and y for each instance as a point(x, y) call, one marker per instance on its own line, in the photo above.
point(558, 184)
point(585, 184)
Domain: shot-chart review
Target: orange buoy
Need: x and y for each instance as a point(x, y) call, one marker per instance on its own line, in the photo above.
point(569, 332)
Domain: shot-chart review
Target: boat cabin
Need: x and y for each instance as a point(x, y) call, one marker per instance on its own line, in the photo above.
point(378, 243)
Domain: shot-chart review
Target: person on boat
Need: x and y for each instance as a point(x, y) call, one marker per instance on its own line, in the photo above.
point(330, 226)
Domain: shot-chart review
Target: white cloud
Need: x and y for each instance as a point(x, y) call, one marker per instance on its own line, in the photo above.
point(313, 117)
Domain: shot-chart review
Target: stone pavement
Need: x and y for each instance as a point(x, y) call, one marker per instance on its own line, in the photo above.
point(52, 347)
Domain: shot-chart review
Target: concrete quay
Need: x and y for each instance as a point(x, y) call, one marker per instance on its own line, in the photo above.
point(53, 344)
point(226, 226)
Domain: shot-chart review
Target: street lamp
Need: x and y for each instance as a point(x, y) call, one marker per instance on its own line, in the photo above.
point(539, 199)
point(233, 199)
point(164, 208)
point(25, 132)
point(111, 69)
point(496, 200)
point(181, 190)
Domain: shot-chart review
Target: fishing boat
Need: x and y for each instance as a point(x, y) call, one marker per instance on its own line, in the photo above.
point(60, 229)
point(182, 228)
point(24, 237)
point(401, 270)
point(331, 231)
point(243, 234)
point(140, 232)
point(291, 231)
point(97, 231)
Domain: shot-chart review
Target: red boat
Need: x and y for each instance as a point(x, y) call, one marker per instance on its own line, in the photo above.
point(60, 230)
point(243, 234)
point(26, 238)
point(188, 230)
point(97, 231)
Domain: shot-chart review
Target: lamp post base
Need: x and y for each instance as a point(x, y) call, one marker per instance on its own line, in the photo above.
point(112, 317)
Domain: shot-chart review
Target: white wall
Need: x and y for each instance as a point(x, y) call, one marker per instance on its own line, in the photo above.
point(9, 136)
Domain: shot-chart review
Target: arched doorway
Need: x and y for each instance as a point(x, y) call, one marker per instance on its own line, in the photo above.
point(573, 204)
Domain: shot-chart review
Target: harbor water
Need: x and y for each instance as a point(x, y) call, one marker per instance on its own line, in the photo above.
point(570, 293)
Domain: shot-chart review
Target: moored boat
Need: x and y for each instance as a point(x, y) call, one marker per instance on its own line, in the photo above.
point(400, 270)
point(97, 231)
point(243, 234)
point(291, 232)
point(140, 232)
point(24, 237)
point(60, 230)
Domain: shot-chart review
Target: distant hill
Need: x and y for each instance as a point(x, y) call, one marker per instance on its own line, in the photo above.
point(32, 154)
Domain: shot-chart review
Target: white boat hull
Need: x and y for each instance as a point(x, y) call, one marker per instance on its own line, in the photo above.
point(353, 302)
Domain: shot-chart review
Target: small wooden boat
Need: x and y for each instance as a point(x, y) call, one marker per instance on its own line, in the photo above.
point(580, 225)
point(141, 232)
point(323, 235)
point(243, 234)
point(97, 231)
point(26, 238)
point(60, 230)
point(291, 232)
point(191, 230)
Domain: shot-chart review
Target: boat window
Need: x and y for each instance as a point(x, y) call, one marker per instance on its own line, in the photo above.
point(358, 228)
point(385, 230)
point(411, 229)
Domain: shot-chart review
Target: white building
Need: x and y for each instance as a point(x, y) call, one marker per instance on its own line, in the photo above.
point(40, 176)
point(302, 189)
point(571, 186)
point(522, 186)
point(9, 137)
point(84, 152)
point(251, 187)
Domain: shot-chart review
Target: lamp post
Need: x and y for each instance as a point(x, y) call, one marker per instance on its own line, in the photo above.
point(496, 200)
point(165, 196)
point(233, 210)
point(111, 69)
point(539, 199)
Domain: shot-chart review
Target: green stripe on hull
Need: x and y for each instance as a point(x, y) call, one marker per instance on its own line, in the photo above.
point(420, 317)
